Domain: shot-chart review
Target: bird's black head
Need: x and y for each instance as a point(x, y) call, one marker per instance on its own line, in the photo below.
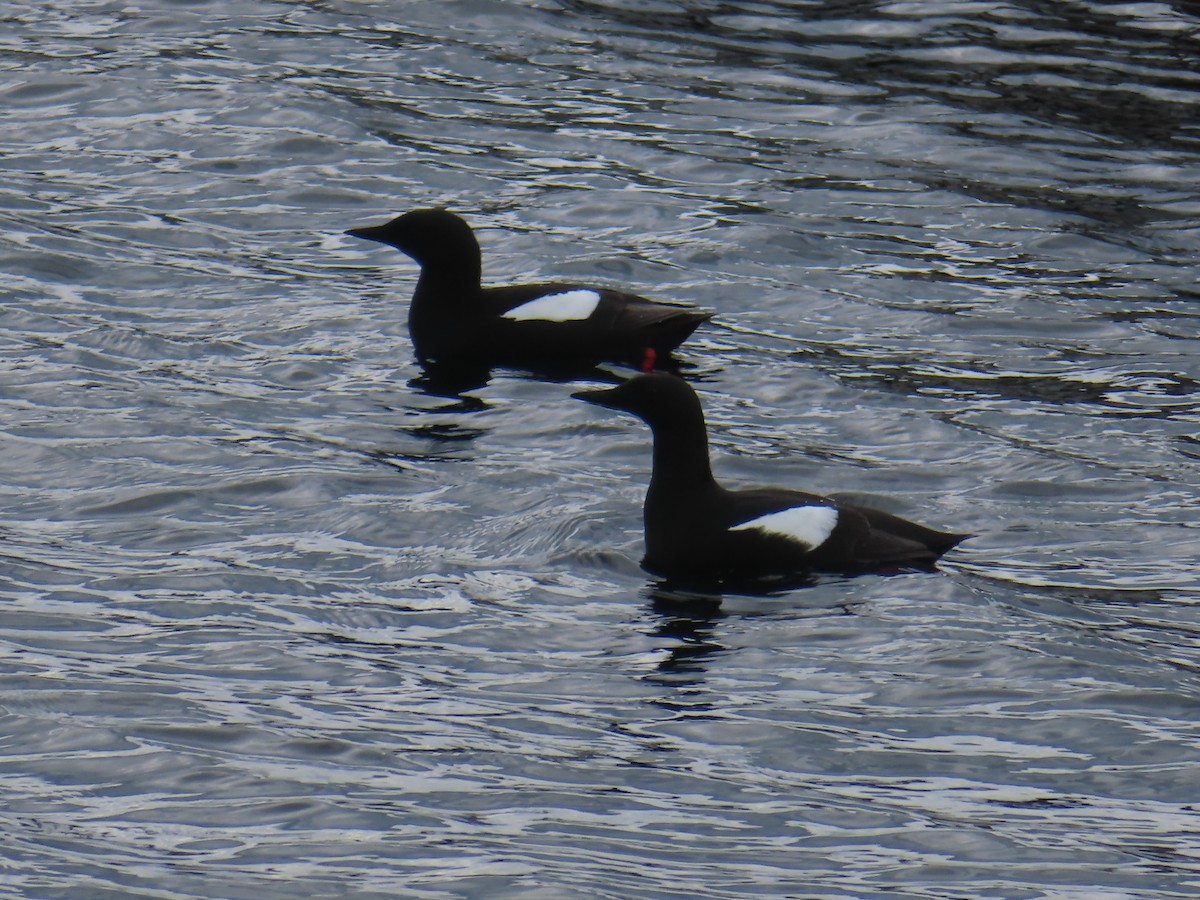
point(659, 399)
point(432, 237)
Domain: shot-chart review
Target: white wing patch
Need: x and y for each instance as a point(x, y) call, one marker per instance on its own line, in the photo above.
point(807, 525)
point(568, 306)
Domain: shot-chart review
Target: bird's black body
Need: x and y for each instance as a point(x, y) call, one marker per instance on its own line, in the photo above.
point(698, 531)
point(454, 320)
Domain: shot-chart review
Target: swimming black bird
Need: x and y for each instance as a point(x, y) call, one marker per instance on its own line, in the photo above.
point(699, 532)
point(454, 320)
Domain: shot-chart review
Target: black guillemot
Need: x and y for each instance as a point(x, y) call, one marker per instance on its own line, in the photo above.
point(699, 532)
point(454, 320)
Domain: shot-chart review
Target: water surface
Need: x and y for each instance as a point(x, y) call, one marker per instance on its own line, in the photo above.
point(278, 619)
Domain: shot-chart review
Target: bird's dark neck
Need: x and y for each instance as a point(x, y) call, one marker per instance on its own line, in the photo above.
point(448, 284)
point(681, 463)
point(443, 294)
point(437, 317)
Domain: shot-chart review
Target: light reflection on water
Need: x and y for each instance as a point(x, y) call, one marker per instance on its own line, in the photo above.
point(283, 614)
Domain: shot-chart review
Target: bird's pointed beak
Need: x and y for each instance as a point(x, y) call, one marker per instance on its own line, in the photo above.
point(597, 398)
point(367, 232)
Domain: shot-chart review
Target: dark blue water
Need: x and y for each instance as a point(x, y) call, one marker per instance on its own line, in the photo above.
point(277, 620)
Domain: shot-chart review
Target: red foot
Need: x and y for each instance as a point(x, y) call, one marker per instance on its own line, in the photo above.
point(649, 360)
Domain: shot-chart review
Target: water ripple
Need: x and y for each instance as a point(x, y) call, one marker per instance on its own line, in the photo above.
point(282, 613)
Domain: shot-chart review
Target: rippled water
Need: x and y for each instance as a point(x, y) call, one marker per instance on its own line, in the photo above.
point(279, 620)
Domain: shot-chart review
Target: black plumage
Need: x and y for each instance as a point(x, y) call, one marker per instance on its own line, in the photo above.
point(698, 531)
point(453, 319)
